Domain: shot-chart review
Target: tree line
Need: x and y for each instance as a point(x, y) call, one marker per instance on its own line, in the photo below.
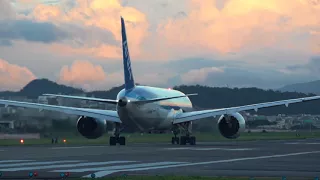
point(208, 97)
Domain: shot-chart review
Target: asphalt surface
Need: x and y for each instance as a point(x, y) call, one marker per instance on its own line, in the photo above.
point(291, 158)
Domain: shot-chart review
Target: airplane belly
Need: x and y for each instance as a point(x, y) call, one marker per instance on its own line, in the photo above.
point(167, 118)
point(145, 116)
point(149, 116)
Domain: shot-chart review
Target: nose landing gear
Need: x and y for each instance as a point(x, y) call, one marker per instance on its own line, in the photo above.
point(113, 140)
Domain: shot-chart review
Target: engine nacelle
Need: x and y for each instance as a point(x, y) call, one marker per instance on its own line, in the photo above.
point(91, 128)
point(231, 125)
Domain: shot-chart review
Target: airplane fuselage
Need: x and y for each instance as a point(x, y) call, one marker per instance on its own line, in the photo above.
point(155, 115)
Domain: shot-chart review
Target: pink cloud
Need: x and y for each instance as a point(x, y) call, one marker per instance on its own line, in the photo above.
point(199, 75)
point(14, 77)
point(88, 76)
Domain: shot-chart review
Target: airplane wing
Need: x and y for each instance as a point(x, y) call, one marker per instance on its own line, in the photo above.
point(196, 115)
point(108, 115)
point(111, 101)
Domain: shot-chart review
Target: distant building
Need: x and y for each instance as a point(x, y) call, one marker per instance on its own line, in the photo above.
point(7, 124)
point(43, 100)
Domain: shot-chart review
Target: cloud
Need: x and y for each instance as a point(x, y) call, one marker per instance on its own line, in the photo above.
point(223, 26)
point(5, 42)
point(240, 26)
point(315, 36)
point(169, 41)
point(82, 74)
point(30, 31)
point(98, 14)
point(199, 75)
point(14, 77)
point(312, 67)
point(6, 10)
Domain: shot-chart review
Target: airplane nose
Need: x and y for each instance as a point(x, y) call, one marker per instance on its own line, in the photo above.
point(122, 102)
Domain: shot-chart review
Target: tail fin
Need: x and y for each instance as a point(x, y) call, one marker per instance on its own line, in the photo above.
point(128, 76)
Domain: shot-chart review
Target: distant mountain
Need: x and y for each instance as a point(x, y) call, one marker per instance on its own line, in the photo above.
point(38, 87)
point(41, 86)
point(208, 98)
point(308, 87)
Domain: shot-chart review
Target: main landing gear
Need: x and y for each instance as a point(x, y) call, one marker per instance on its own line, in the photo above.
point(117, 138)
point(187, 139)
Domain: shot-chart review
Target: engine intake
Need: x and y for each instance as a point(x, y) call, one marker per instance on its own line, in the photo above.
point(91, 128)
point(230, 126)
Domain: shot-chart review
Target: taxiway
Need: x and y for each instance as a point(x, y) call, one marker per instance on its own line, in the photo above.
point(294, 158)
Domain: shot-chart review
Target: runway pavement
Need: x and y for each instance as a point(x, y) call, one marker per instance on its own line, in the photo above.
point(294, 158)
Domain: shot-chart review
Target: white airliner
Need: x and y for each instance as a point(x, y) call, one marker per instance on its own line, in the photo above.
point(151, 108)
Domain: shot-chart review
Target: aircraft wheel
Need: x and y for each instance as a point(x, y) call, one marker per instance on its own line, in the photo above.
point(192, 140)
point(122, 140)
point(112, 141)
point(183, 140)
point(175, 140)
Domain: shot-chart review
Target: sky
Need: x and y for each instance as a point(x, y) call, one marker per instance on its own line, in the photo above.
point(234, 43)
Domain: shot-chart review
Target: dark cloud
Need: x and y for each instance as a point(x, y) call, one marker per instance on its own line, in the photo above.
point(236, 73)
point(241, 77)
point(48, 33)
point(180, 14)
point(313, 66)
point(90, 36)
point(31, 31)
point(184, 65)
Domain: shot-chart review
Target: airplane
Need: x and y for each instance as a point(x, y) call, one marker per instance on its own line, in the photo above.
point(151, 108)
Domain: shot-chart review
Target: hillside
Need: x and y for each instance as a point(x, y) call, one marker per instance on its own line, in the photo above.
point(38, 87)
point(208, 98)
point(308, 87)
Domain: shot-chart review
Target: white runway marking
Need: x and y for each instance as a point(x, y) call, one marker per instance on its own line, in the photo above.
point(118, 167)
point(13, 161)
point(65, 165)
point(241, 149)
point(77, 147)
point(177, 148)
point(109, 171)
point(36, 163)
point(209, 149)
point(303, 143)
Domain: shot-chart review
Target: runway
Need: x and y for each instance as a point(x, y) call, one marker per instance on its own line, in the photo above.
point(294, 158)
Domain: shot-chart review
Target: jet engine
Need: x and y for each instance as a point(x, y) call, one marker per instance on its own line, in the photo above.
point(231, 125)
point(91, 128)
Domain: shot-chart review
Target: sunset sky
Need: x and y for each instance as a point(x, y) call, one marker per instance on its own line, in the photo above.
point(235, 43)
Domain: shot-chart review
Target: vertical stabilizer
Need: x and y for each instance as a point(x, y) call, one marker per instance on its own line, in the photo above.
point(128, 76)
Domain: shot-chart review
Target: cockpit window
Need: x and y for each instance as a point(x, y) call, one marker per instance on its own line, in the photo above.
point(141, 98)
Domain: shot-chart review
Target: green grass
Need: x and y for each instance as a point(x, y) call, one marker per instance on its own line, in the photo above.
point(194, 178)
point(149, 138)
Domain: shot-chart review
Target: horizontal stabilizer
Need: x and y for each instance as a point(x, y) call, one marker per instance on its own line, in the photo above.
point(162, 99)
point(110, 101)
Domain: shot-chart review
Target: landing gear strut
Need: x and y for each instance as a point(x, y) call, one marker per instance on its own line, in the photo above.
point(175, 131)
point(187, 127)
point(117, 138)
